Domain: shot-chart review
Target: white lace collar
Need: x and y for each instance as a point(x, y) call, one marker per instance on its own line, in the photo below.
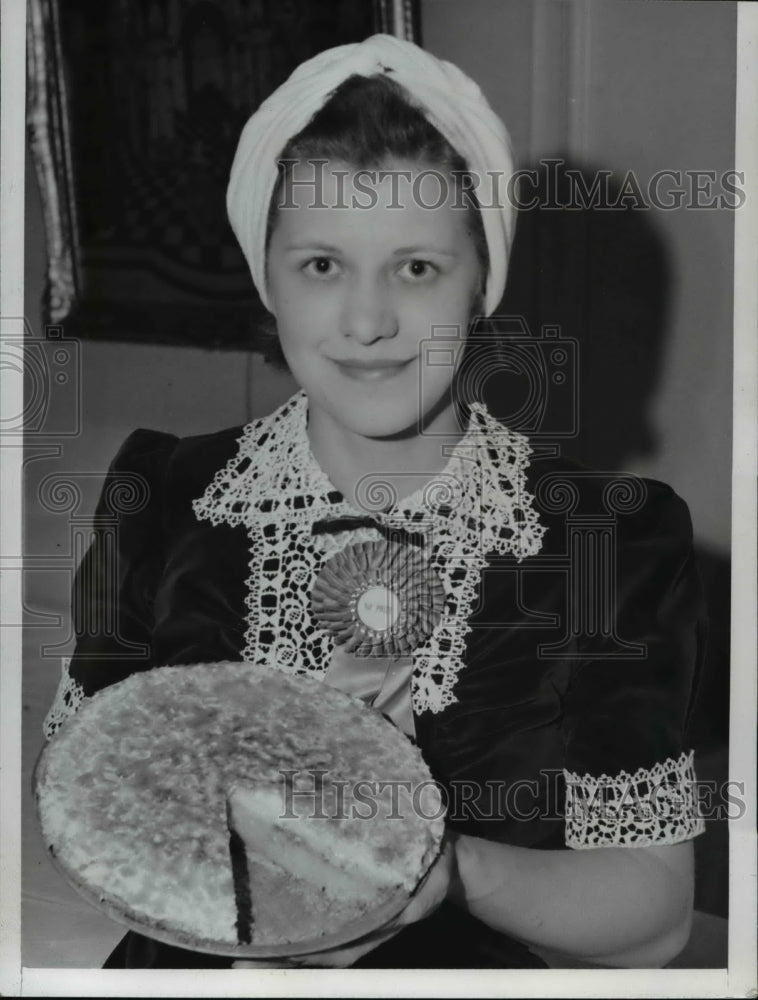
point(274, 475)
point(478, 504)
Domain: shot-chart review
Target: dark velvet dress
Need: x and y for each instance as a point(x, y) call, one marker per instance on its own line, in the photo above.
point(582, 660)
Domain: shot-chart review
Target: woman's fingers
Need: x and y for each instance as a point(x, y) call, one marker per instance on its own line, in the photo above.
point(433, 889)
point(341, 958)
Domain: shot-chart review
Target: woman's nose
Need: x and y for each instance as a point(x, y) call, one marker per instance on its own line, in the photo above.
point(368, 312)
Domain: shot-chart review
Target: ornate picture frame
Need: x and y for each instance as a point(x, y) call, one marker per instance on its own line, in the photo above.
point(133, 113)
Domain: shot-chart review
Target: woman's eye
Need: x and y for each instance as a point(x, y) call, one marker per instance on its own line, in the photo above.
point(321, 267)
point(417, 270)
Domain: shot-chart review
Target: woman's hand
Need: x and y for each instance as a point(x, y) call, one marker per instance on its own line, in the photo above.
point(427, 897)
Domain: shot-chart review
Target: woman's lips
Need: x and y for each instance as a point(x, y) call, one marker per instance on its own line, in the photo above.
point(371, 371)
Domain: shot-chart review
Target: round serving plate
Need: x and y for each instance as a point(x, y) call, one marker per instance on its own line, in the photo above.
point(91, 880)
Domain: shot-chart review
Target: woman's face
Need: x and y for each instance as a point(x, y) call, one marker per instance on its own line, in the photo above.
point(358, 288)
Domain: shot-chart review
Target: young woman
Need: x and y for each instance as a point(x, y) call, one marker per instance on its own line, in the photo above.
point(550, 691)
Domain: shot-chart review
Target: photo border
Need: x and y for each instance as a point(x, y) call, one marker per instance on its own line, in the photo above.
point(740, 977)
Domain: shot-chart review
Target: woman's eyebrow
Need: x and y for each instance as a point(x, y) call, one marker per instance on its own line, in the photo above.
point(424, 248)
point(316, 246)
point(312, 245)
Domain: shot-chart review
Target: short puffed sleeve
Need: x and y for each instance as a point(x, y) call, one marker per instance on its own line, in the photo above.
point(629, 772)
point(115, 583)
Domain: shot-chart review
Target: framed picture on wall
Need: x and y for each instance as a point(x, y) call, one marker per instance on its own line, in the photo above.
point(134, 111)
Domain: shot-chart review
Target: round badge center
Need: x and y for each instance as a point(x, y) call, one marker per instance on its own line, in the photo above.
point(378, 608)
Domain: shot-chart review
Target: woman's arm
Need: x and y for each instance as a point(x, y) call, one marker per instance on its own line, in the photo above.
point(115, 582)
point(625, 907)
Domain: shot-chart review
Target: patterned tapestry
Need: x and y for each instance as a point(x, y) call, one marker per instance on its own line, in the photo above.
point(154, 94)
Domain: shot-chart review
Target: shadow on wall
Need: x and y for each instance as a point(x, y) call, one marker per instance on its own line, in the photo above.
point(598, 270)
point(589, 262)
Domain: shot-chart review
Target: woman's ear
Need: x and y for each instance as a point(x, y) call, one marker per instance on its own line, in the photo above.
point(477, 301)
point(271, 302)
point(270, 227)
point(270, 345)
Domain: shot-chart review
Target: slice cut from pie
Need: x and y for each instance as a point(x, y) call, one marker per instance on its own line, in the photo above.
point(324, 851)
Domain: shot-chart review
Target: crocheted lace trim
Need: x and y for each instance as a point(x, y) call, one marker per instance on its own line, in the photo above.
point(477, 504)
point(656, 805)
point(68, 697)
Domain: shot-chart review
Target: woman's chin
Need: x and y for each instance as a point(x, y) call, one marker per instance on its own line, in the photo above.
point(384, 426)
point(390, 411)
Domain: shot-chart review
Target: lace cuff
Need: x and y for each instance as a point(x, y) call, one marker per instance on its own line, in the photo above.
point(656, 805)
point(68, 698)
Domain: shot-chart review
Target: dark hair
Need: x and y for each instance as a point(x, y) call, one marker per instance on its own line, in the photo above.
point(365, 122)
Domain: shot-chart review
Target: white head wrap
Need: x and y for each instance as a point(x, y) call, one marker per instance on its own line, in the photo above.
point(450, 100)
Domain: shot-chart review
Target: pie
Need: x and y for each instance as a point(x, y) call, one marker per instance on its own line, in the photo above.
point(224, 805)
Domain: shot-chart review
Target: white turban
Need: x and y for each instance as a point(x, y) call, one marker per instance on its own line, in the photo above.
point(450, 100)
